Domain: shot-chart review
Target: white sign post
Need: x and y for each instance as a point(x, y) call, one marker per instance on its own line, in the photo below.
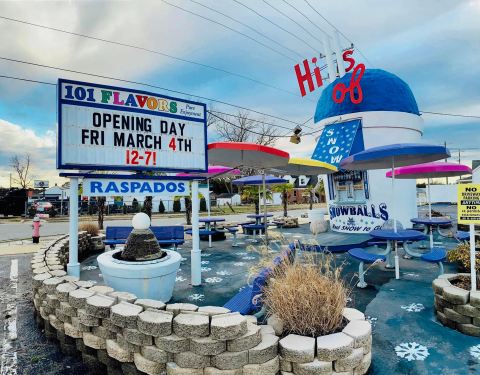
point(196, 252)
point(73, 266)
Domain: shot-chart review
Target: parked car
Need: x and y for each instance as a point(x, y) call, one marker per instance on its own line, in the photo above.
point(42, 206)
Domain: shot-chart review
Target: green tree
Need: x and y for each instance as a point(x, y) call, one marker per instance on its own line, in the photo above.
point(284, 189)
point(250, 194)
point(176, 204)
point(161, 207)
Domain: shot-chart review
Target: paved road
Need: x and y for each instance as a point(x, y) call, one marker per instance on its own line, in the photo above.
point(15, 231)
point(24, 348)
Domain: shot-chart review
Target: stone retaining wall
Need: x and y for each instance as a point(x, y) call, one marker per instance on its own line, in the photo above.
point(346, 352)
point(131, 335)
point(457, 308)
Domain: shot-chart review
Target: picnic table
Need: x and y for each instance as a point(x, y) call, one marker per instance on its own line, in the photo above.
point(210, 227)
point(393, 237)
point(431, 223)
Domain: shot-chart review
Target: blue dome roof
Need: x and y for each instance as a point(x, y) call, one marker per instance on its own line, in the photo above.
point(382, 91)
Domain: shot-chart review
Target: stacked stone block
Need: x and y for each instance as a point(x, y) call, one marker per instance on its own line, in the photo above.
point(345, 352)
point(457, 308)
point(127, 335)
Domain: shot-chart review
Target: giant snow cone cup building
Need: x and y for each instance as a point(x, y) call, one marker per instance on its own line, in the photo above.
point(360, 201)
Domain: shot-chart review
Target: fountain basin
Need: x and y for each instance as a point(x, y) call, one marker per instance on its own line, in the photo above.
point(154, 279)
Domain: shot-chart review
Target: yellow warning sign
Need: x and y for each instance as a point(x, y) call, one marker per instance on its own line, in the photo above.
point(468, 203)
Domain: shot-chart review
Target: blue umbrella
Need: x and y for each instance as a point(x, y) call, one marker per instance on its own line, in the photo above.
point(391, 156)
point(258, 180)
point(261, 180)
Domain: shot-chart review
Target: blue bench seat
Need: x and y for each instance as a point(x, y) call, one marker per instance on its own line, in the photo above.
point(436, 255)
point(364, 257)
point(462, 235)
point(165, 235)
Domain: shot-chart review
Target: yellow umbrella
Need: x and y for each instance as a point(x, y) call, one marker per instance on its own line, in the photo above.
point(304, 166)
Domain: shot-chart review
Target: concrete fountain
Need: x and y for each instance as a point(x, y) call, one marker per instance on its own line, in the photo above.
point(142, 267)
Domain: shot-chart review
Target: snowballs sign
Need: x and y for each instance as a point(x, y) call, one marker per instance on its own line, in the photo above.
point(112, 128)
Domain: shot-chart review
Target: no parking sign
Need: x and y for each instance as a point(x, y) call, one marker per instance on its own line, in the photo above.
point(468, 203)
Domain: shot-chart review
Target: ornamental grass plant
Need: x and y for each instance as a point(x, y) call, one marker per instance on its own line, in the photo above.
point(461, 256)
point(89, 227)
point(308, 297)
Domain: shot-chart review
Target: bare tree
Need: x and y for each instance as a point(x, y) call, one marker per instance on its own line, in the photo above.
point(21, 166)
point(242, 127)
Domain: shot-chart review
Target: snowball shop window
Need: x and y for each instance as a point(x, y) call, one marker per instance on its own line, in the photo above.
point(349, 186)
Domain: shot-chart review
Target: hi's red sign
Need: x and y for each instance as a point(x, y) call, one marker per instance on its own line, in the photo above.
point(340, 90)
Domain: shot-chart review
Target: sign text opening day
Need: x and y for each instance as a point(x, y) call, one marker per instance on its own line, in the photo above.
point(111, 128)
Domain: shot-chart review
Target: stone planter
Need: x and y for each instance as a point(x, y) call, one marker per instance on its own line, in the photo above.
point(348, 351)
point(118, 332)
point(154, 279)
point(457, 308)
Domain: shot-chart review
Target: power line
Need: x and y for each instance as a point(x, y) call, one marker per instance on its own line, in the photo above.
point(247, 26)
point(341, 33)
point(262, 122)
point(291, 19)
point(28, 80)
point(230, 28)
point(257, 133)
point(149, 85)
point(450, 114)
point(275, 24)
point(207, 66)
point(305, 16)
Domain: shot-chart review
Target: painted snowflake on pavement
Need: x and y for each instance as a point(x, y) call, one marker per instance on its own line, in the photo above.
point(241, 253)
point(241, 288)
point(223, 273)
point(205, 269)
point(196, 297)
point(411, 274)
point(180, 279)
point(213, 280)
point(205, 262)
point(183, 259)
point(89, 268)
point(239, 264)
point(204, 255)
point(412, 351)
point(248, 258)
point(413, 307)
point(475, 352)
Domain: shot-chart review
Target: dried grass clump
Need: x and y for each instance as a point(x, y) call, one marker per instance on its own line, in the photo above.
point(309, 298)
point(90, 227)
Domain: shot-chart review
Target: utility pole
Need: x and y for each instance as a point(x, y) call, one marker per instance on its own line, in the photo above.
point(459, 160)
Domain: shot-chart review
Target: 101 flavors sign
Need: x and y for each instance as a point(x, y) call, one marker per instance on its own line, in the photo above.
point(112, 128)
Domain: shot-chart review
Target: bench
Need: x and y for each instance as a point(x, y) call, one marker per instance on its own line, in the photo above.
point(436, 255)
point(248, 300)
point(244, 301)
point(165, 235)
point(462, 236)
point(253, 228)
point(364, 257)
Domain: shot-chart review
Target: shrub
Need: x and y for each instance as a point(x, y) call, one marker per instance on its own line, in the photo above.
point(203, 205)
point(161, 207)
point(309, 298)
point(177, 205)
point(461, 255)
point(90, 227)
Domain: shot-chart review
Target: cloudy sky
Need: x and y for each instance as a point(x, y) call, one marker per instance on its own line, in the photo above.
point(433, 45)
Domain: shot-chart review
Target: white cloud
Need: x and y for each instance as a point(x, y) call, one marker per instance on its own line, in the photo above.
point(18, 140)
